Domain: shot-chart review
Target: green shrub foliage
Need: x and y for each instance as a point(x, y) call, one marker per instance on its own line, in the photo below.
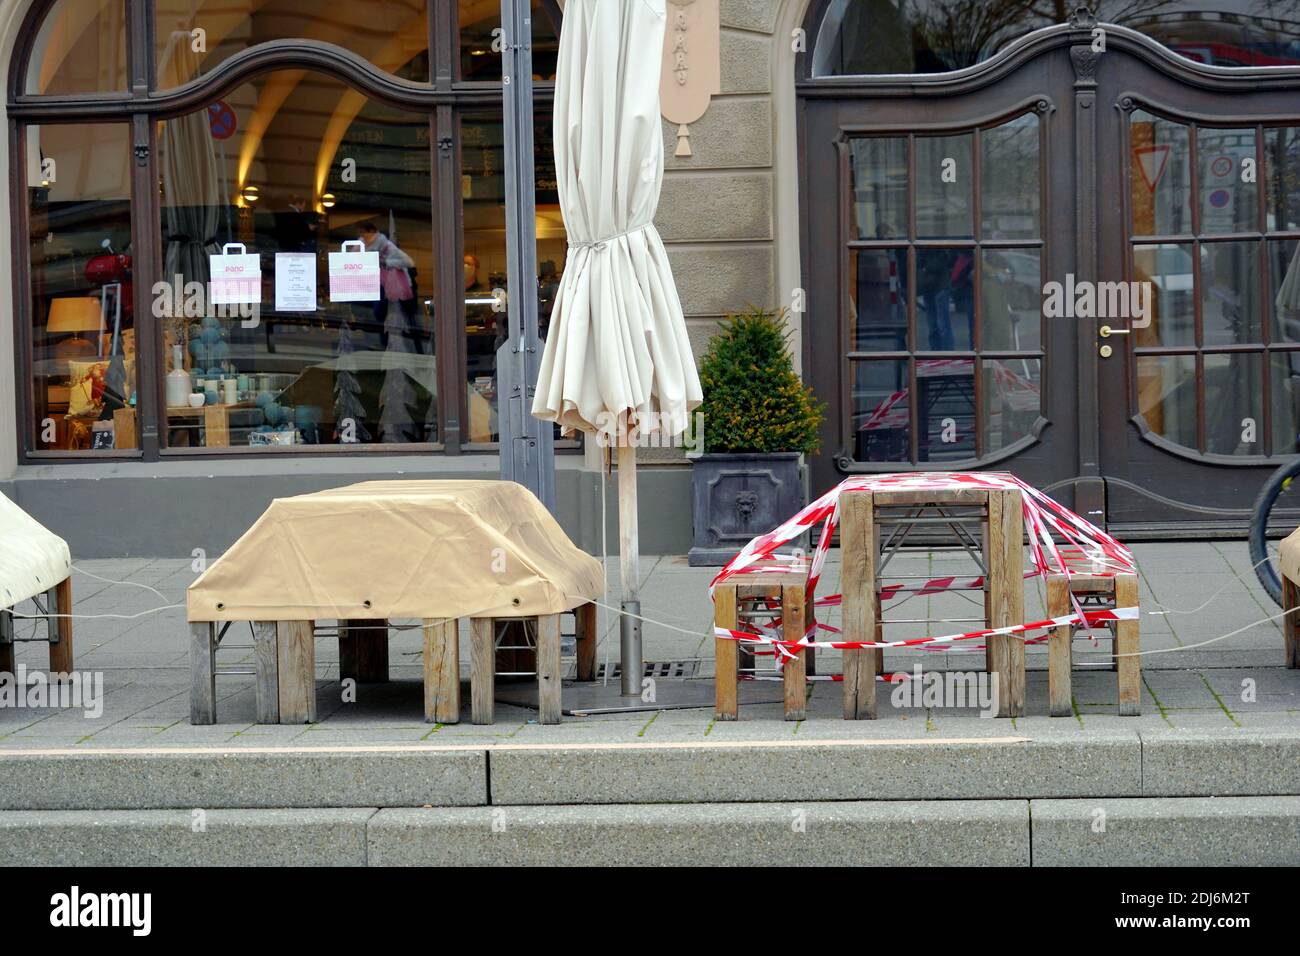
point(753, 400)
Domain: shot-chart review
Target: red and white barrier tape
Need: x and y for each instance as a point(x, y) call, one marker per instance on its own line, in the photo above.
point(1044, 519)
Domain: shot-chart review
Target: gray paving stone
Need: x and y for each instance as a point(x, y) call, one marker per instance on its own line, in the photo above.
point(897, 834)
point(240, 778)
point(184, 837)
point(803, 769)
point(1186, 831)
point(1234, 761)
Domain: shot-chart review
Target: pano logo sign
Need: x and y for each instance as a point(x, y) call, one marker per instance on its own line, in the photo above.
point(76, 909)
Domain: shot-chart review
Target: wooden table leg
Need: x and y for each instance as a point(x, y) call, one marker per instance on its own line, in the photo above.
point(549, 676)
point(61, 627)
point(266, 656)
point(725, 657)
point(363, 650)
point(1127, 647)
point(1059, 693)
point(6, 641)
point(858, 582)
point(203, 673)
point(793, 622)
point(584, 618)
point(296, 666)
point(1291, 623)
point(482, 670)
point(1005, 559)
point(442, 671)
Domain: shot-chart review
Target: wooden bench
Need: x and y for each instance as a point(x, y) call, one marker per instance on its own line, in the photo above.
point(1100, 590)
point(999, 514)
point(285, 665)
point(58, 630)
point(751, 593)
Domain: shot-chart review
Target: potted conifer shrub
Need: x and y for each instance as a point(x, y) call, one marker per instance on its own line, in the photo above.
point(759, 422)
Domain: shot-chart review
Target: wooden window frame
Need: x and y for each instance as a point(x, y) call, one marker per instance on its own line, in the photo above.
point(442, 99)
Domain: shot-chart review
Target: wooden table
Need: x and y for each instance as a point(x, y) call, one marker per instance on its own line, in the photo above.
point(285, 665)
point(58, 631)
point(862, 516)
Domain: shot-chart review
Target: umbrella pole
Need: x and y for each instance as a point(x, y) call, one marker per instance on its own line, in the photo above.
point(630, 657)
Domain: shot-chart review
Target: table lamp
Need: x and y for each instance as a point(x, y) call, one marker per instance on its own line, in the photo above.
point(75, 315)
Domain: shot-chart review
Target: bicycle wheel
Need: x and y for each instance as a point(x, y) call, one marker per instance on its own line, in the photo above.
point(1279, 493)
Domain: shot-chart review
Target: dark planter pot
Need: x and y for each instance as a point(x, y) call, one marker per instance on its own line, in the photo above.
point(734, 498)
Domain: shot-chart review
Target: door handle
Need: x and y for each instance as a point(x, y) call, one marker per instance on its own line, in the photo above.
point(1106, 331)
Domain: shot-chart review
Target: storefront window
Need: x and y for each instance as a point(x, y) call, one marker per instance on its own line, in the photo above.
point(864, 37)
point(391, 34)
point(483, 202)
point(83, 344)
point(287, 168)
point(313, 165)
point(80, 48)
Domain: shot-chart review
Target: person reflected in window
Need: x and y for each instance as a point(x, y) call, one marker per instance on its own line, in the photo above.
point(396, 285)
point(934, 292)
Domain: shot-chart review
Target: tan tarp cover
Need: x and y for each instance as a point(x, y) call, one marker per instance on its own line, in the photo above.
point(399, 549)
point(1290, 559)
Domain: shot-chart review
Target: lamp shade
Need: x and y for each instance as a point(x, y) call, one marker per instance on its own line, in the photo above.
point(74, 314)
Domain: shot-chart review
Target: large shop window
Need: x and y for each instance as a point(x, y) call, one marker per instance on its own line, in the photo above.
point(129, 193)
point(862, 37)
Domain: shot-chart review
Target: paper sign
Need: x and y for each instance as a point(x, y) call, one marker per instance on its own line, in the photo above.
point(236, 277)
point(295, 282)
point(354, 274)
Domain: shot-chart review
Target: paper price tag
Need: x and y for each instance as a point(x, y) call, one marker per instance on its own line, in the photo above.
point(236, 276)
point(354, 274)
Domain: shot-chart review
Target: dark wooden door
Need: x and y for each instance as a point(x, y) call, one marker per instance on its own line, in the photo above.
point(935, 212)
point(1199, 205)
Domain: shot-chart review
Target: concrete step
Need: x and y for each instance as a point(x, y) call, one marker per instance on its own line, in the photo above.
point(1109, 832)
point(995, 767)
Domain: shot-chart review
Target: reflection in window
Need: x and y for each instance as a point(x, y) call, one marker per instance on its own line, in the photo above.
point(934, 36)
point(83, 328)
point(391, 34)
point(1159, 175)
point(1009, 203)
point(1234, 403)
point(1012, 300)
point(300, 372)
point(1012, 399)
point(881, 411)
point(1231, 310)
point(1229, 200)
point(1169, 268)
point(80, 48)
point(945, 400)
point(944, 178)
point(945, 285)
point(1282, 177)
point(878, 169)
point(1284, 376)
point(480, 60)
point(879, 300)
point(1166, 392)
point(485, 268)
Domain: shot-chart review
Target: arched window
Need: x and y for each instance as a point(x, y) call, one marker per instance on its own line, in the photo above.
point(282, 130)
point(868, 37)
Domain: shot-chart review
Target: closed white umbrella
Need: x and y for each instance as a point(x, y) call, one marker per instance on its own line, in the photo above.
point(617, 350)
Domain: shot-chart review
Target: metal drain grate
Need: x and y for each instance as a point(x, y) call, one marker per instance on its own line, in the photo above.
point(657, 669)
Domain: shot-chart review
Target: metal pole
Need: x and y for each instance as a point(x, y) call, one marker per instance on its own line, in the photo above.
point(527, 444)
